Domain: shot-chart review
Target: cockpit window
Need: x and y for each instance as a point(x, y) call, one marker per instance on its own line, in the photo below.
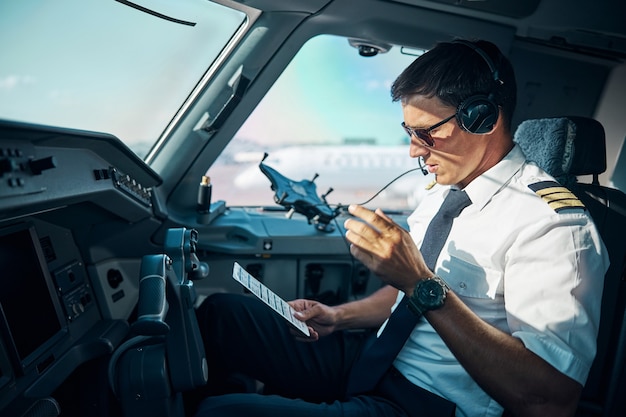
point(330, 113)
point(113, 66)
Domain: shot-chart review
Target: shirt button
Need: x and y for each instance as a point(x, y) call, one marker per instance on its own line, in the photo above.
point(463, 285)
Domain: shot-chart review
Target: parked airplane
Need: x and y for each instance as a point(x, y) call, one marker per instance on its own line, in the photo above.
point(112, 112)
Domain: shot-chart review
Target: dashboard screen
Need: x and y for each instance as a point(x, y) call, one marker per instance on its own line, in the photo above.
point(29, 313)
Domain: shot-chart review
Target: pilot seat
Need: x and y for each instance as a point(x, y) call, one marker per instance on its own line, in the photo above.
point(568, 148)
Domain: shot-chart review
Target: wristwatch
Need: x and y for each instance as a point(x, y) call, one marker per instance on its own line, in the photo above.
point(429, 294)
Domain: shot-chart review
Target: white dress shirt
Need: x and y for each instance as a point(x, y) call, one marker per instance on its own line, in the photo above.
point(521, 266)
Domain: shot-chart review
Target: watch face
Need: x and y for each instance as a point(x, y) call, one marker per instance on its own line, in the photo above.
point(430, 294)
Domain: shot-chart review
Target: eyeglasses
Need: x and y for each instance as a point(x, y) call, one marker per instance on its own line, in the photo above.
point(423, 135)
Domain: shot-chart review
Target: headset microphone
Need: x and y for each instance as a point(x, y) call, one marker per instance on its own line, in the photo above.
point(420, 161)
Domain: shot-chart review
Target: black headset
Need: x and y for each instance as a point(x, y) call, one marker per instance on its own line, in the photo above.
point(479, 113)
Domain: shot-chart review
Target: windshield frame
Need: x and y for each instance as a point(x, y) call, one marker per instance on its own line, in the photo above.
point(251, 16)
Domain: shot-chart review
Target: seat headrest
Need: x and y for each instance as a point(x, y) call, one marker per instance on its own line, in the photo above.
point(564, 146)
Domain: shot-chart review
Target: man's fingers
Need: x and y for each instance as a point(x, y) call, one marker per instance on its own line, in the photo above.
point(366, 229)
point(306, 311)
point(362, 213)
point(361, 234)
point(384, 216)
point(377, 219)
point(303, 315)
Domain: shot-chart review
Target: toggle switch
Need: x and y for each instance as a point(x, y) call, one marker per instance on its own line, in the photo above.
point(37, 166)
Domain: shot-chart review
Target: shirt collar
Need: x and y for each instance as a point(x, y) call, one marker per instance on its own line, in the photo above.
point(491, 181)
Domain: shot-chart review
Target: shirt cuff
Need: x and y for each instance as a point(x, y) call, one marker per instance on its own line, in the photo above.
point(560, 357)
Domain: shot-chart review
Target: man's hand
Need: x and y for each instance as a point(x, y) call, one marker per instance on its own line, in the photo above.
point(320, 318)
point(385, 248)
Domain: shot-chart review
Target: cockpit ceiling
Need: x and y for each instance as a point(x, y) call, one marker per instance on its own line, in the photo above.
point(517, 9)
point(593, 27)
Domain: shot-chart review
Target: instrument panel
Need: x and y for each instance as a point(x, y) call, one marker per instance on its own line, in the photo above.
point(56, 187)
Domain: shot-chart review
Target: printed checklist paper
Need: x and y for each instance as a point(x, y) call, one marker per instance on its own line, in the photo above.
point(268, 297)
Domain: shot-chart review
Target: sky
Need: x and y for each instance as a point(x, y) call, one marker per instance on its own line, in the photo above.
point(330, 93)
point(100, 65)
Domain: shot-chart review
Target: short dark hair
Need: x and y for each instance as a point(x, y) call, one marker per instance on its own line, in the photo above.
point(453, 71)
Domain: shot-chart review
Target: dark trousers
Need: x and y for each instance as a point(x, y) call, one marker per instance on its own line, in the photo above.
point(242, 336)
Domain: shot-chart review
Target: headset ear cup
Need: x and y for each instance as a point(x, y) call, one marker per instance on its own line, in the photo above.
point(477, 114)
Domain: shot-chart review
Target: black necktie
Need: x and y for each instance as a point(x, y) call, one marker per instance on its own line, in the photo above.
point(379, 353)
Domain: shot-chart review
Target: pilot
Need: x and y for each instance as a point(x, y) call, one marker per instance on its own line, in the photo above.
point(495, 290)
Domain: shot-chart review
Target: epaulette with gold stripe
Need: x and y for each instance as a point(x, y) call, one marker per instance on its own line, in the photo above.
point(558, 197)
point(430, 185)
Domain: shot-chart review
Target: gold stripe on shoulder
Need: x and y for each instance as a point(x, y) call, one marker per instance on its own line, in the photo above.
point(552, 190)
point(558, 197)
point(558, 205)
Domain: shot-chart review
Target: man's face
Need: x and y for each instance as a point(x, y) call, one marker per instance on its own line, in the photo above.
point(457, 156)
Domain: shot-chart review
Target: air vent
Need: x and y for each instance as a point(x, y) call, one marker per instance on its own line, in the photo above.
point(48, 249)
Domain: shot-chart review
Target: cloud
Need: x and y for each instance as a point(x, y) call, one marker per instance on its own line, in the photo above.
point(10, 82)
point(378, 84)
point(372, 85)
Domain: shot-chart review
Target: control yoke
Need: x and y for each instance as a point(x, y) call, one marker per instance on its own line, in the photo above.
point(149, 372)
